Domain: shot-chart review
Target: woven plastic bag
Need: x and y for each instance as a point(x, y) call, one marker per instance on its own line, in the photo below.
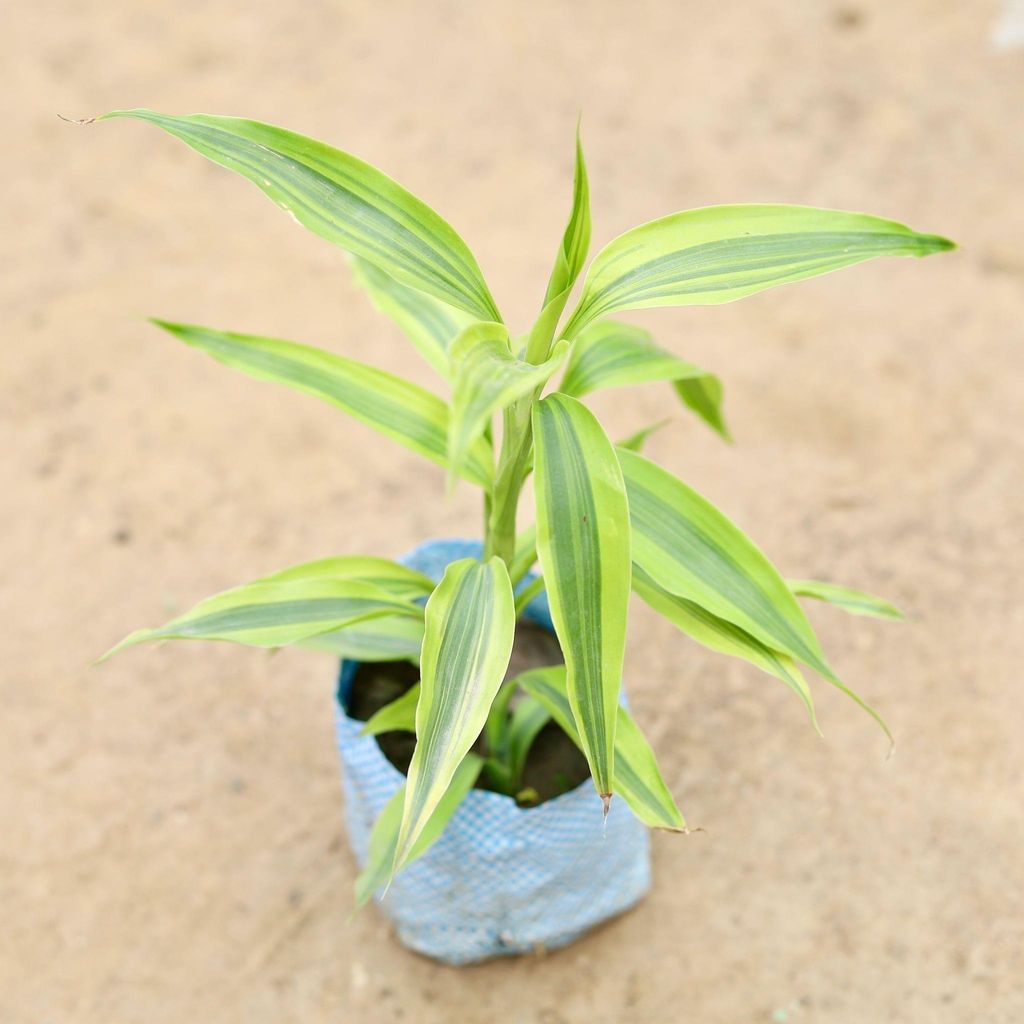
point(501, 879)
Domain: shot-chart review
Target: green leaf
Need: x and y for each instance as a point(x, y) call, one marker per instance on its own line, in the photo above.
point(572, 254)
point(856, 602)
point(719, 635)
point(389, 638)
point(276, 614)
point(497, 725)
point(703, 395)
point(397, 408)
point(343, 200)
point(583, 543)
point(693, 551)
point(637, 777)
point(721, 253)
point(470, 622)
point(612, 354)
point(635, 442)
point(397, 579)
point(384, 837)
point(486, 378)
point(398, 716)
point(431, 325)
point(529, 716)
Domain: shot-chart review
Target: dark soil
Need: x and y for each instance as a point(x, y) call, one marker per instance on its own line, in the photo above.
point(554, 764)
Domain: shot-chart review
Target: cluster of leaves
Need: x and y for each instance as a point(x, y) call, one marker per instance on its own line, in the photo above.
point(607, 519)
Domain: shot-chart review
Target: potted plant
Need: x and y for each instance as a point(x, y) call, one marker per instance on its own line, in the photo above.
point(468, 799)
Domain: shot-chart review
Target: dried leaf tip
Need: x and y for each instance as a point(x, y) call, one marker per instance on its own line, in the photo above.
point(77, 120)
point(606, 803)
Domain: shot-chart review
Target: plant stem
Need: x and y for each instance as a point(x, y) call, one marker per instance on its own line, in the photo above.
point(517, 439)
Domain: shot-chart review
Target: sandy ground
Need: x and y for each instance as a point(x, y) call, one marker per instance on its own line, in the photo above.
point(171, 846)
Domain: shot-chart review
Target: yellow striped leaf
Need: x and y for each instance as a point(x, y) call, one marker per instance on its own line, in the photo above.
point(856, 602)
point(393, 577)
point(276, 614)
point(725, 637)
point(611, 354)
point(397, 408)
point(583, 542)
point(572, 254)
point(636, 775)
point(722, 253)
point(341, 199)
point(470, 622)
point(693, 551)
point(384, 837)
point(431, 325)
point(388, 638)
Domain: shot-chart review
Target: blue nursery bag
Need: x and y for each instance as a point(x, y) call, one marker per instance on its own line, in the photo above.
point(502, 879)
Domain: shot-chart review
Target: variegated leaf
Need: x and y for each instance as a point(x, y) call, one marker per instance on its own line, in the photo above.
point(572, 254)
point(725, 637)
point(397, 408)
point(276, 614)
point(391, 576)
point(636, 776)
point(693, 551)
point(430, 324)
point(470, 622)
point(388, 638)
point(721, 253)
point(384, 837)
point(341, 199)
point(856, 602)
point(610, 354)
point(583, 542)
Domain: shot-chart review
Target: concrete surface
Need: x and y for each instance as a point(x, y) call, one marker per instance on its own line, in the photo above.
point(171, 848)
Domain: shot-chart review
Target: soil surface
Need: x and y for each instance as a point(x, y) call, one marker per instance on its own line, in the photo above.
point(171, 847)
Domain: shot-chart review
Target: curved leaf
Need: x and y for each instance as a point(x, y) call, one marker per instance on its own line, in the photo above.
point(341, 199)
point(612, 354)
point(722, 253)
point(384, 837)
point(635, 442)
point(486, 378)
point(470, 622)
point(637, 777)
point(398, 716)
point(388, 638)
point(397, 408)
point(276, 614)
point(399, 580)
point(692, 550)
point(572, 254)
point(431, 325)
point(725, 637)
point(856, 602)
point(529, 716)
point(583, 544)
